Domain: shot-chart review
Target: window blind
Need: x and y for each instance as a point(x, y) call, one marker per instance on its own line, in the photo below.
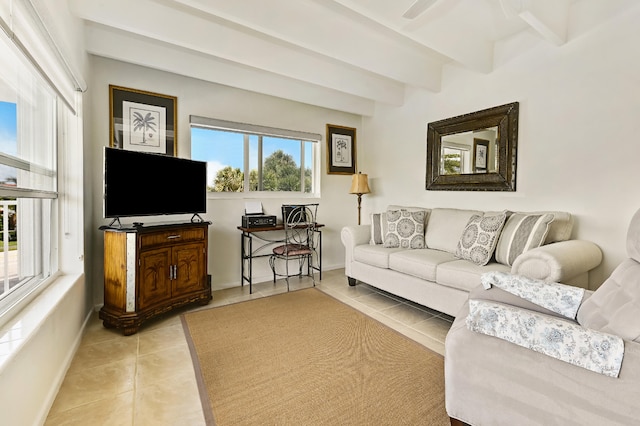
point(232, 126)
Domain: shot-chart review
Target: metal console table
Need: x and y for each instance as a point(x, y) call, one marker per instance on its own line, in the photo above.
point(248, 252)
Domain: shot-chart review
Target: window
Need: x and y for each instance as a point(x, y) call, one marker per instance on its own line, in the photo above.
point(247, 158)
point(28, 176)
point(455, 159)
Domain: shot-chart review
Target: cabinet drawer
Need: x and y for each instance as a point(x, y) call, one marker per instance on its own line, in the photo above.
point(175, 236)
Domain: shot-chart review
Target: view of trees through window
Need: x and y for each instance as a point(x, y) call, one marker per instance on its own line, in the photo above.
point(452, 164)
point(453, 161)
point(271, 163)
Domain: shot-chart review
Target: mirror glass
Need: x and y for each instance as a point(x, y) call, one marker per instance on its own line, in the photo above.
point(474, 152)
point(470, 152)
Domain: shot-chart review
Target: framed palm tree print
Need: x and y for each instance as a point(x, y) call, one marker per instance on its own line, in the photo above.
point(142, 121)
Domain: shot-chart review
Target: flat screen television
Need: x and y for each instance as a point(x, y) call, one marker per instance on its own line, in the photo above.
point(142, 184)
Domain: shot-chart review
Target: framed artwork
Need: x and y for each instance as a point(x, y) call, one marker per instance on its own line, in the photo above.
point(142, 121)
point(341, 150)
point(480, 155)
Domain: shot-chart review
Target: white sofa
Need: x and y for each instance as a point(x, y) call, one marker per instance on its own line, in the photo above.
point(435, 277)
point(492, 381)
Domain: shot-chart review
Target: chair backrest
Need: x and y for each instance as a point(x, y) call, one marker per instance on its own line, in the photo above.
point(300, 223)
point(299, 214)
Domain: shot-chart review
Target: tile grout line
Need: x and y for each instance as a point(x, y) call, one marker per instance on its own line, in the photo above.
point(135, 382)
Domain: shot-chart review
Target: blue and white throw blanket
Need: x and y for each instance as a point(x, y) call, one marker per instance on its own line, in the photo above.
point(552, 336)
point(559, 298)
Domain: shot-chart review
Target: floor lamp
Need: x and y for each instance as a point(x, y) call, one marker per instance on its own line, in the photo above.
point(359, 186)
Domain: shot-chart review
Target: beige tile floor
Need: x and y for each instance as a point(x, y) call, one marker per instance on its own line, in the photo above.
point(148, 378)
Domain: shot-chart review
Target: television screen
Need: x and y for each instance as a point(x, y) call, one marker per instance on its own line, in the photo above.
point(142, 184)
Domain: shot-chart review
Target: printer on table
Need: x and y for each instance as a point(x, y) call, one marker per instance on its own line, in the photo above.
point(255, 218)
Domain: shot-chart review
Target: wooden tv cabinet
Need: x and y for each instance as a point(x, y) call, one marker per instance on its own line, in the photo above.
point(150, 270)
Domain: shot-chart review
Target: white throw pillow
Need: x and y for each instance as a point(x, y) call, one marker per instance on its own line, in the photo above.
point(405, 229)
point(521, 232)
point(479, 238)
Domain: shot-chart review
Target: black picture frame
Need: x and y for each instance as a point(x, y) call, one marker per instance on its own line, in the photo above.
point(341, 150)
point(480, 155)
point(143, 121)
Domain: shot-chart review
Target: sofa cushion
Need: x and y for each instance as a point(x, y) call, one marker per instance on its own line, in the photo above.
point(419, 263)
point(479, 238)
point(615, 306)
point(465, 275)
point(374, 255)
point(445, 227)
point(405, 229)
point(521, 232)
point(378, 228)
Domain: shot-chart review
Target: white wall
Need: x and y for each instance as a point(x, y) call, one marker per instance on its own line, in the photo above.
point(196, 97)
point(578, 131)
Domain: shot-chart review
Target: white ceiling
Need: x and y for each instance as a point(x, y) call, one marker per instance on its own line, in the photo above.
point(341, 54)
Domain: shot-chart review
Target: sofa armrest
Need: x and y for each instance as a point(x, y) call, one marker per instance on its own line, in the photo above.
point(558, 262)
point(351, 237)
point(355, 235)
point(495, 294)
point(555, 337)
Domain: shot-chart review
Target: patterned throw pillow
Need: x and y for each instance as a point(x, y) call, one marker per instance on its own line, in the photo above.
point(479, 238)
point(378, 228)
point(522, 232)
point(405, 229)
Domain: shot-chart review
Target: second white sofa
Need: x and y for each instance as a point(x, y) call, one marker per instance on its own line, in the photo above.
point(442, 273)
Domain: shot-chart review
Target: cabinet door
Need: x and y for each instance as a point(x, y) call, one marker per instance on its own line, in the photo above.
point(154, 280)
point(190, 263)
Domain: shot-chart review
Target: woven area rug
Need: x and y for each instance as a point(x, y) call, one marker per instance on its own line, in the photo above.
point(305, 358)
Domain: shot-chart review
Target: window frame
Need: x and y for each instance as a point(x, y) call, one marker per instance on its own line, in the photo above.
point(39, 249)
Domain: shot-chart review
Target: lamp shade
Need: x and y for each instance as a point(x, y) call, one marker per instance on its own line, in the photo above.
point(359, 184)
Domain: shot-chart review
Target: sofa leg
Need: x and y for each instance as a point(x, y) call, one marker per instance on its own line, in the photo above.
point(456, 422)
point(352, 281)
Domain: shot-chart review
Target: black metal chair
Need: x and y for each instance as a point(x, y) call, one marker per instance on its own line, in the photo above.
point(299, 243)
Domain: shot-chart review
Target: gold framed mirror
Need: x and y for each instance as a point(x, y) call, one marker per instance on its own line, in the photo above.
point(475, 151)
